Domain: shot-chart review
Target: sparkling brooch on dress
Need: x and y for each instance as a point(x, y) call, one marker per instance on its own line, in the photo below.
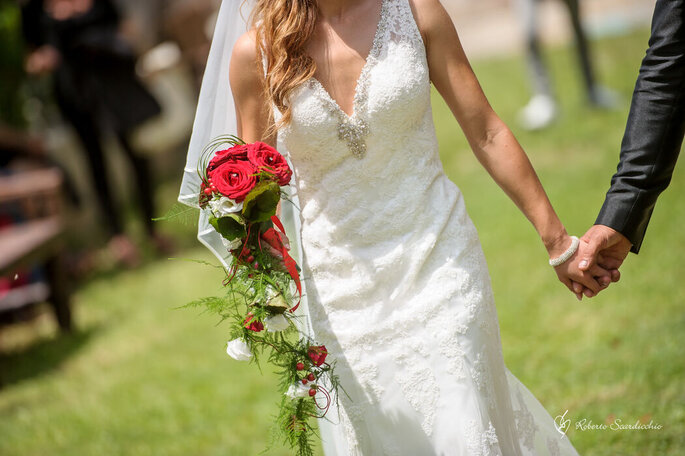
point(353, 131)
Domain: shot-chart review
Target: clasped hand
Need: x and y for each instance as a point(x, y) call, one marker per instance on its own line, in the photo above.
point(595, 265)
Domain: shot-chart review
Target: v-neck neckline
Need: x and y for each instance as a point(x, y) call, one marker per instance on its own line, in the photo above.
point(365, 69)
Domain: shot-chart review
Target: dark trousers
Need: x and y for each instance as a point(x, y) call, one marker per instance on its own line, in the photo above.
point(540, 77)
point(90, 136)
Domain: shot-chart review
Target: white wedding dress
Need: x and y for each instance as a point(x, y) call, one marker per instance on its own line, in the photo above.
point(396, 283)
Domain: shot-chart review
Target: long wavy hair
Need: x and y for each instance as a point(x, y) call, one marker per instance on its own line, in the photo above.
point(284, 28)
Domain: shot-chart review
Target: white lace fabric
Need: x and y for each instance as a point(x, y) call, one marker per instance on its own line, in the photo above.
point(396, 281)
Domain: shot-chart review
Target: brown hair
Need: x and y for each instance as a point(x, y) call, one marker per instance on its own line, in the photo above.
point(284, 28)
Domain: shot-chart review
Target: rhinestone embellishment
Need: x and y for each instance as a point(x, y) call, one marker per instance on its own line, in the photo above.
point(353, 131)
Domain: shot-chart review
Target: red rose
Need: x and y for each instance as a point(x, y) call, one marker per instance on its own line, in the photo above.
point(234, 179)
point(317, 354)
point(255, 326)
point(235, 153)
point(263, 156)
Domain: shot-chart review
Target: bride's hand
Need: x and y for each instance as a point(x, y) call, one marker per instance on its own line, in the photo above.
point(595, 279)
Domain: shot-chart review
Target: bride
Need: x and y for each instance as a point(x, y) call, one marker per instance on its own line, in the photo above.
point(396, 281)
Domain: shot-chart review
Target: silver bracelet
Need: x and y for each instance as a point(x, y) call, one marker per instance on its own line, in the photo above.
point(561, 259)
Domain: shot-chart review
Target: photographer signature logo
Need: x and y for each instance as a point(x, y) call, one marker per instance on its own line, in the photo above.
point(562, 423)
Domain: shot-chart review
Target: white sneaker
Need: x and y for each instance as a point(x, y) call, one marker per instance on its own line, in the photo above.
point(539, 113)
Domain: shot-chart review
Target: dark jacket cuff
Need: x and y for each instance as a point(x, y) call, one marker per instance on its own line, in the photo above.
point(619, 212)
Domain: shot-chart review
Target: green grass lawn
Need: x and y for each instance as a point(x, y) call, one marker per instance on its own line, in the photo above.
point(141, 378)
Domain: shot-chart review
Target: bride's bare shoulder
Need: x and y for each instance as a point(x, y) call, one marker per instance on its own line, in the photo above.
point(246, 77)
point(245, 49)
point(431, 17)
point(246, 71)
point(426, 8)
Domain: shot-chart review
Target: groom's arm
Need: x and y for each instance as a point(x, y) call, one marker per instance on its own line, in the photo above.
point(655, 129)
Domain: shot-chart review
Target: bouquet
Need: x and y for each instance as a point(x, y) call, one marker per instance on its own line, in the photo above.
point(240, 191)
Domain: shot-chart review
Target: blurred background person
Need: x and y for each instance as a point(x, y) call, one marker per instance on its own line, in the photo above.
point(542, 109)
point(96, 90)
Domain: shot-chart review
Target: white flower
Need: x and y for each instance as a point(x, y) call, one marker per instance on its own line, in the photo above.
point(239, 350)
point(231, 245)
point(276, 323)
point(297, 390)
point(223, 206)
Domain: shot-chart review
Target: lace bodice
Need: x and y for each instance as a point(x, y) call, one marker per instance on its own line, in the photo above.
point(386, 101)
point(353, 130)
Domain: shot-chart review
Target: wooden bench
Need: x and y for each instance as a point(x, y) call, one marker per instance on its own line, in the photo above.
point(36, 241)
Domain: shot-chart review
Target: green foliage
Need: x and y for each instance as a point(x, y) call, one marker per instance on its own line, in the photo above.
point(257, 289)
point(260, 204)
point(180, 213)
point(248, 293)
point(214, 304)
point(230, 226)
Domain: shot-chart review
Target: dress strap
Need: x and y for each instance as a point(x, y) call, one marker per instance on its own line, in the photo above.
point(402, 24)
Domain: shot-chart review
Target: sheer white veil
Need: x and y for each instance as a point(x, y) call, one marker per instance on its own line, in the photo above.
point(215, 113)
point(216, 116)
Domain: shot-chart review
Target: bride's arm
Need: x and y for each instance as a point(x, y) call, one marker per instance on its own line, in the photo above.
point(246, 76)
point(491, 140)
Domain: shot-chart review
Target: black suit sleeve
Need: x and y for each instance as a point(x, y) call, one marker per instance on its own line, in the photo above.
point(656, 125)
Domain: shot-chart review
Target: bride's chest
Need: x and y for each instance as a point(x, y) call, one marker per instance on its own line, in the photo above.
point(392, 96)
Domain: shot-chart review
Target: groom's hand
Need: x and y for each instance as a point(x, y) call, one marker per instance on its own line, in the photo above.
point(607, 248)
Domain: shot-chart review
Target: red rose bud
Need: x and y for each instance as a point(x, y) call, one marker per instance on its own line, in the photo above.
point(311, 377)
point(250, 259)
point(299, 366)
point(312, 392)
point(304, 381)
point(317, 354)
point(255, 326)
point(256, 265)
point(208, 191)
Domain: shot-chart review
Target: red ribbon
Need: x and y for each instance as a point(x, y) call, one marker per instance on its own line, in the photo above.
point(275, 239)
